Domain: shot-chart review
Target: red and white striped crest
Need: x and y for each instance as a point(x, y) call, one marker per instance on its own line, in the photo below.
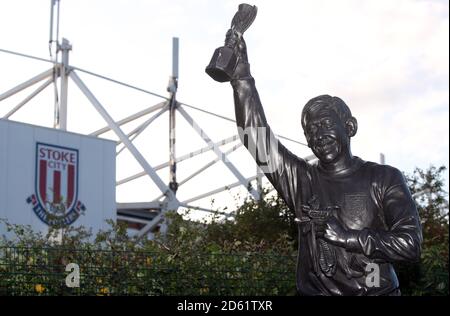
point(56, 177)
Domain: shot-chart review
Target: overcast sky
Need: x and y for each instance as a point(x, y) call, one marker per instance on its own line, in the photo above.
point(388, 60)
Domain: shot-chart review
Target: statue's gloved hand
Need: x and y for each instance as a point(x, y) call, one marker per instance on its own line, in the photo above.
point(337, 235)
point(237, 42)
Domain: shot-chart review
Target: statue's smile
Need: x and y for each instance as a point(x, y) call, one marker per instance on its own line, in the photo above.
point(325, 145)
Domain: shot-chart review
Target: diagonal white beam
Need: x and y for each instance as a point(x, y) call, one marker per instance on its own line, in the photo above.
point(138, 130)
point(138, 205)
point(109, 120)
point(198, 208)
point(181, 158)
point(27, 99)
point(155, 221)
point(217, 151)
point(209, 164)
point(26, 84)
point(130, 118)
point(131, 219)
point(207, 148)
point(218, 190)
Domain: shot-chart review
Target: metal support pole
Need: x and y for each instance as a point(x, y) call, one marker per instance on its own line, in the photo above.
point(65, 48)
point(382, 159)
point(172, 89)
point(173, 185)
point(259, 187)
point(54, 28)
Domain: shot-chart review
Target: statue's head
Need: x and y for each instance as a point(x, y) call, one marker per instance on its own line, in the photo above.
point(328, 125)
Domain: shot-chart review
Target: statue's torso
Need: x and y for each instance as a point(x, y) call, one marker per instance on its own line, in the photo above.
point(359, 198)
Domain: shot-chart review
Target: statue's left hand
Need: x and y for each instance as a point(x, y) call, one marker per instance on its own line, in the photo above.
point(242, 70)
point(233, 40)
point(335, 233)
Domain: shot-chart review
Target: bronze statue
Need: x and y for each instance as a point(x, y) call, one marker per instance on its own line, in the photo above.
point(355, 218)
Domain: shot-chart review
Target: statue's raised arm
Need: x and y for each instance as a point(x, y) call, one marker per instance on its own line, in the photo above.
point(230, 63)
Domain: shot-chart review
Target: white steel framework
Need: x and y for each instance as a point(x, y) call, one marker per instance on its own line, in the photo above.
point(167, 201)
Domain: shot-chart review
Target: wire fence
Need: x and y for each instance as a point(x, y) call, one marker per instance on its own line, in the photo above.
point(42, 271)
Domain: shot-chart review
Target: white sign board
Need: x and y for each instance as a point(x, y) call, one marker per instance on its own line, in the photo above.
point(51, 177)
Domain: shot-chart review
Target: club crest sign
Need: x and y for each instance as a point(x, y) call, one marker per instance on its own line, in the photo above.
point(55, 200)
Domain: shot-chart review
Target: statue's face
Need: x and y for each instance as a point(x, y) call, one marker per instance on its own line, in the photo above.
point(326, 135)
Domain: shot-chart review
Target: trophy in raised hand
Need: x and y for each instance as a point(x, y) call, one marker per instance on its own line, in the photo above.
point(224, 61)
